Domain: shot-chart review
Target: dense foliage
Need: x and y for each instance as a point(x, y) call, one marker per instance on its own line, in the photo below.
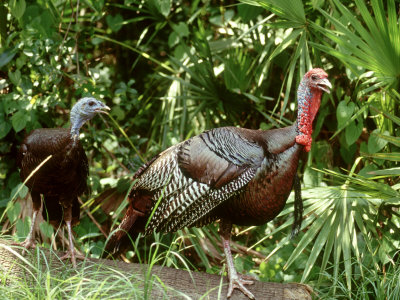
point(171, 69)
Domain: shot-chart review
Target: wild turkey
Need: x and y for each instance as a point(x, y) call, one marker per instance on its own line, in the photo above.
point(63, 177)
point(239, 176)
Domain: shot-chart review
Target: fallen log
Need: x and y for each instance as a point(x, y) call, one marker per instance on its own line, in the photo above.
point(164, 282)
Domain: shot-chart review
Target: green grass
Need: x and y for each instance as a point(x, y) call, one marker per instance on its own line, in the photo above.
point(48, 278)
point(41, 275)
point(375, 284)
point(86, 283)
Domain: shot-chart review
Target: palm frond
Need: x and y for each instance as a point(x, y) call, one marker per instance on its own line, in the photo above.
point(371, 43)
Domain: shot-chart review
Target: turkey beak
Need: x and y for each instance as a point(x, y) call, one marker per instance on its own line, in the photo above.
point(103, 110)
point(325, 85)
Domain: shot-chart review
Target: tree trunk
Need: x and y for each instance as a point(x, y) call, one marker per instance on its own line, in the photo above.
point(181, 284)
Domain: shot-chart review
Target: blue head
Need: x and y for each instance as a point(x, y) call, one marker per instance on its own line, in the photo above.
point(84, 110)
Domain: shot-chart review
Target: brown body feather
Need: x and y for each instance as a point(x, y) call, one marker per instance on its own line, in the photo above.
point(61, 179)
point(63, 171)
point(240, 175)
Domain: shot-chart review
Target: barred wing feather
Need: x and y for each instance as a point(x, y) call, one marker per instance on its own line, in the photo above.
point(192, 178)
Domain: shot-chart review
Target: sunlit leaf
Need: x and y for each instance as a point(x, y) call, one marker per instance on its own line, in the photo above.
point(370, 45)
point(375, 143)
point(17, 8)
point(386, 172)
point(394, 156)
point(287, 9)
point(19, 120)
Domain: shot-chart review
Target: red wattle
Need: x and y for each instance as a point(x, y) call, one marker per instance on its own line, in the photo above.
point(306, 118)
point(305, 140)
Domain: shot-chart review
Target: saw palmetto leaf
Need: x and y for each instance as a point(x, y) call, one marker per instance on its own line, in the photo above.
point(339, 226)
point(370, 41)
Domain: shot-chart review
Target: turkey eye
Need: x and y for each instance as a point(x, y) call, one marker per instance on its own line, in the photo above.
point(91, 103)
point(314, 77)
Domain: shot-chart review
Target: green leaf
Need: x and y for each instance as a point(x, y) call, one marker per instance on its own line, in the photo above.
point(7, 56)
point(181, 29)
point(248, 12)
point(115, 22)
point(353, 131)
point(221, 20)
point(118, 113)
point(173, 39)
point(19, 121)
point(386, 172)
point(23, 191)
point(22, 227)
point(371, 42)
point(348, 153)
point(42, 20)
point(96, 41)
point(13, 212)
point(311, 177)
point(394, 156)
point(292, 10)
point(320, 242)
point(366, 171)
point(5, 128)
point(15, 77)
point(391, 139)
point(317, 3)
point(387, 115)
point(356, 115)
point(375, 143)
point(46, 229)
point(17, 8)
point(344, 112)
point(289, 40)
point(20, 61)
point(142, 53)
point(164, 6)
point(308, 237)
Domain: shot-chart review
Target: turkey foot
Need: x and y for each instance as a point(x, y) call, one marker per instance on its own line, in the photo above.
point(71, 253)
point(237, 282)
point(73, 256)
point(29, 242)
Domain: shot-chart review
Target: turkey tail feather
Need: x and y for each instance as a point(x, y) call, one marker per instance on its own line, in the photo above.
point(120, 237)
point(298, 207)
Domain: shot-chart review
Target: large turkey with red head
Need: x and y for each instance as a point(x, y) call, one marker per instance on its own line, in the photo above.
point(235, 175)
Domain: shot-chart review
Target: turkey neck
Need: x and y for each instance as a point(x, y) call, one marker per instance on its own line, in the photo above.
point(77, 120)
point(309, 100)
point(76, 124)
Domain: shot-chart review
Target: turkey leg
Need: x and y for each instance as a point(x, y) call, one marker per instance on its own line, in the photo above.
point(30, 239)
point(236, 281)
point(71, 252)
